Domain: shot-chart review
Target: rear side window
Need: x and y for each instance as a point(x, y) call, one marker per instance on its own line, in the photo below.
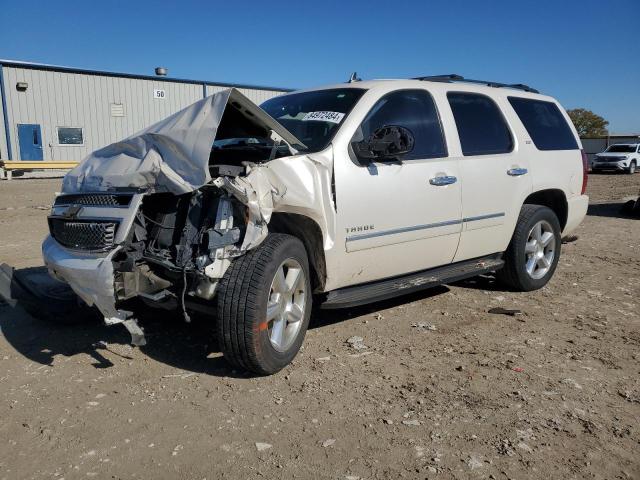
point(414, 110)
point(481, 126)
point(544, 122)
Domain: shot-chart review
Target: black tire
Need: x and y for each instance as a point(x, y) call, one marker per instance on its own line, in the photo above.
point(242, 304)
point(514, 273)
point(632, 167)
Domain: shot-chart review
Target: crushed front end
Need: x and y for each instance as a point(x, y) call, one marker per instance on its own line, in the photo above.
point(163, 249)
point(157, 219)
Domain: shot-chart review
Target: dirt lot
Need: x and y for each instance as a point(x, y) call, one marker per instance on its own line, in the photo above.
point(444, 389)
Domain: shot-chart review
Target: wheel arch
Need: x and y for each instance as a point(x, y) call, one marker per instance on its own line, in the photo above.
point(553, 198)
point(310, 234)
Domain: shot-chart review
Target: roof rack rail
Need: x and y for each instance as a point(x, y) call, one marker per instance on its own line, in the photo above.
point(452, 77)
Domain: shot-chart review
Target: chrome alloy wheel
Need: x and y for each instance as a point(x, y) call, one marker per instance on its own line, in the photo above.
point(540, 249)
point(286, 305)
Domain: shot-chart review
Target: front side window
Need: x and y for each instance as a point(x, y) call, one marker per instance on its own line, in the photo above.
point(70, 136)
point(414, 110)
point(481, 126)
point(313, 117)
point(544, 123)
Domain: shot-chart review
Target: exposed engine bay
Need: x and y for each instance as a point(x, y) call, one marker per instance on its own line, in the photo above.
point(160, 216)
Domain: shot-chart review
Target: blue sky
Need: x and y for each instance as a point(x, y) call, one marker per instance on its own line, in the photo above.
point(585, 53)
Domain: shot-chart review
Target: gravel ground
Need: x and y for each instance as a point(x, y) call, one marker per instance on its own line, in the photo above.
point(443, 389)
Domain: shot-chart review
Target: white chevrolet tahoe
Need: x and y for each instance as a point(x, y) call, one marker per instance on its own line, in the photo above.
point(335, 196)
point(622, 157)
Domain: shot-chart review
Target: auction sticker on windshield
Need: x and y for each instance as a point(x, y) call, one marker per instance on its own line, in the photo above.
point(333, 117)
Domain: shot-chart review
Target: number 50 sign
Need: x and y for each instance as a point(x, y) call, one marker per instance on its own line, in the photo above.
point(158, 94)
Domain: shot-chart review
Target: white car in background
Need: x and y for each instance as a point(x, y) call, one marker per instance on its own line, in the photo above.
point(623, 157)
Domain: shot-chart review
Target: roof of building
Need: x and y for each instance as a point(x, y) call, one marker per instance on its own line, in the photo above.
point(57, 68)
point(613, 136)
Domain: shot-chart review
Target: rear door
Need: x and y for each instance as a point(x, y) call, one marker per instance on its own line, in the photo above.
point(494, 174)
point(396, 217)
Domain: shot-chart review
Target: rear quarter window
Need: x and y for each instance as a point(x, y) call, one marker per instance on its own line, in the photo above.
point(545, 124)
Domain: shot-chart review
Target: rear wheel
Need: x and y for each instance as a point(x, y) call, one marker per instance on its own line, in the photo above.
point(534, 250)
point(264, 305)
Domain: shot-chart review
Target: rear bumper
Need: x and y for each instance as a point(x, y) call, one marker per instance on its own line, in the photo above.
point(577, 210)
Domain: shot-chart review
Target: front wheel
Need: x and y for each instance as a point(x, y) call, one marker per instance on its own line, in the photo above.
point(534, 250)
point(264, 305)
point(632, 167)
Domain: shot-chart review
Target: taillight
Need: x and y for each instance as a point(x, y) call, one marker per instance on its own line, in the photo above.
point(585, 171)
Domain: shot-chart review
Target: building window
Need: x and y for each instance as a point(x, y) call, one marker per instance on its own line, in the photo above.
point(70, 136)
point(481, 126)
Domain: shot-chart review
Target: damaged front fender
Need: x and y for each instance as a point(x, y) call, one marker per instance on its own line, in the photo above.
point(299, 184)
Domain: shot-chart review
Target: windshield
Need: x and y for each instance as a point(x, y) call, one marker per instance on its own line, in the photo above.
point(313, 117)
point(621, 149)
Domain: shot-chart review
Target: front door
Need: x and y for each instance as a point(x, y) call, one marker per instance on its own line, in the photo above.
point(398, 216)
point(30, 139)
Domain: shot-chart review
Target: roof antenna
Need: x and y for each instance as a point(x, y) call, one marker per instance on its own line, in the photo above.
point(354, 78)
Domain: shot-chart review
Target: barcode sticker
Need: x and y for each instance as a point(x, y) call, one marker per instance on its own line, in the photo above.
point(333, 117)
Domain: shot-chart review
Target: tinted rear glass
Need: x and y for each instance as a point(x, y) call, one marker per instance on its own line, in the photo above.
point(545, 123)
point(481, 126)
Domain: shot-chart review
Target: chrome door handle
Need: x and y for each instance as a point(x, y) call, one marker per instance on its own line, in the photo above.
point(442, 180)
point(516, 172)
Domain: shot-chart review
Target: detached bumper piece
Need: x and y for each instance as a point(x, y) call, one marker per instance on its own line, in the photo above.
point(33, 288)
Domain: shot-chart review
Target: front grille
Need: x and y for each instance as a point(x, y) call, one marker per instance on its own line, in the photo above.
point(97, 236)
point(95, 199)
point(609, 159)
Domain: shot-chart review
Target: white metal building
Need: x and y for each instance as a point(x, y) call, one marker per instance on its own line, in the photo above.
point(62, 114)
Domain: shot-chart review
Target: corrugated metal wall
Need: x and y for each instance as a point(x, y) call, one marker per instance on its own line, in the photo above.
point(63, 99)
point(4, 154)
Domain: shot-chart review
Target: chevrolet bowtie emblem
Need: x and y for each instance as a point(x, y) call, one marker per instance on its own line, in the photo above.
point(72, 211)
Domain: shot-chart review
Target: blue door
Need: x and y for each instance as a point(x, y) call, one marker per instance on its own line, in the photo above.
point(30, 140)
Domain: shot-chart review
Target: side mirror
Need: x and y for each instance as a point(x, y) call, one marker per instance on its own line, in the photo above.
point(386, 143)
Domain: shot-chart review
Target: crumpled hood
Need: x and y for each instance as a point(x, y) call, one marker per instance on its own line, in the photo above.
point(171, 155)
